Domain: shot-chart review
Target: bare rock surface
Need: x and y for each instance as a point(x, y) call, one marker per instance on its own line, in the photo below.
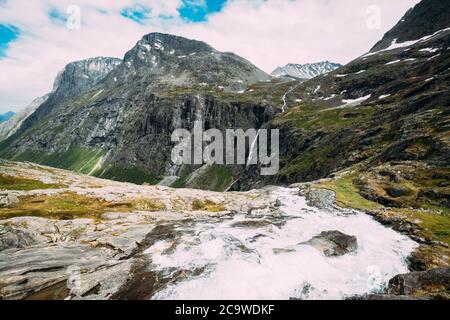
point(333, 243)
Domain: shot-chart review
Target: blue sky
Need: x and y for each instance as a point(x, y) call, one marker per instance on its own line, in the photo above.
point(8, 34)
point(36, 42)
point(200, 13)
point(190, 10)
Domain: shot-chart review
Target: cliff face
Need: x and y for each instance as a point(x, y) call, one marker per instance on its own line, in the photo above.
point(426, 18)
point(115, 119)
point(388, 105)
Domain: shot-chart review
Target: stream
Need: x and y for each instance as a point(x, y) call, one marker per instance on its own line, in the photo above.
point(258, 255)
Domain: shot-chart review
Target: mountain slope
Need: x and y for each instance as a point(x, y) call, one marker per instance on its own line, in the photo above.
point(426, 18)
point(305, 71)
point(10, 126)
point(384, 117)
point(121, 126)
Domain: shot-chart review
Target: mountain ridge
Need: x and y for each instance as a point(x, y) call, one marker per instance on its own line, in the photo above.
point(305, 71)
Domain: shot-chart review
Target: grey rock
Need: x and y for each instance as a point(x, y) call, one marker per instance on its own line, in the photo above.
point(11, 238)
point(431, 282)
point(8, 200)
point(333, 243)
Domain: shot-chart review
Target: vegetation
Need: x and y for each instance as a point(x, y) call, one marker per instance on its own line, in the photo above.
point(311, 116)
point(134, 175)
point(149, 205)
point(347, 194)
point(207, 205)
point(22, 184)
point(77, 159)
point(216, 178)
point(62, 206)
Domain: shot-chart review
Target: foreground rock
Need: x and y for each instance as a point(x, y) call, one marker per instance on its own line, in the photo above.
point(334, 243)
point(432, 283)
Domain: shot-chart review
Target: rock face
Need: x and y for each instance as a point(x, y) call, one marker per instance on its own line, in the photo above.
point(11, 238)
point(384, 107)
point(115, 120)
point(434, 283)
point(176, 61)
point(305, 71)
point(76, 78)
point(80, 76)
point(424, 19)
point(9, 127)
point(334, 243)
point(8, 200)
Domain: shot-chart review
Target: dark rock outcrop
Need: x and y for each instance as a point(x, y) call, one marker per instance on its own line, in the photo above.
point(333, 243)
point(432, 283)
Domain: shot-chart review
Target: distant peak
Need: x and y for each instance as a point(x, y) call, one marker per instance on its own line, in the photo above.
point(305, 71)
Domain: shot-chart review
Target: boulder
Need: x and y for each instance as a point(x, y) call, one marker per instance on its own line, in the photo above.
point(12, 238)
point(333, 243)
point(435, 282)
point(8, 200)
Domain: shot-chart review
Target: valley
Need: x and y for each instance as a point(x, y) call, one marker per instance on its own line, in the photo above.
point(92, 205)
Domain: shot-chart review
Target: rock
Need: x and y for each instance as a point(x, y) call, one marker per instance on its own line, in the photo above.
point(319, 198)
point(8, 200)
point(382, 297)
point(333, 243)
point(34, 272)
point(11, 238)
point(398, 191)
point(432, 283)
point(251, 224)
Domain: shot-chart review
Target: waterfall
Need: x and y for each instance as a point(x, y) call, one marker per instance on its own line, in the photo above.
point(284, 97)
point(252, 148)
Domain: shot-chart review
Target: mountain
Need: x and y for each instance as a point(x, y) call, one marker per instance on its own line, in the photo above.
point(10, 126)
point(372, 135)
point(305, 71)
point(426, 18)
point(119, 125)
point(75, 78)
point(8, 115)
point(80, 76)
point(168, 60)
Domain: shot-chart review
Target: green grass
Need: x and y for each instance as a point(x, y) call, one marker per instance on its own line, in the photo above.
point(216, 178)
point(207, 205)
point(22, 184)
point(347, 194)
point(313, 117)
point(62, 206)
point(122, 174)
point(77, 159)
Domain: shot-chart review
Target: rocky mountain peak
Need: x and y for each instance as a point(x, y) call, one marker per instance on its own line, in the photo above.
point(305, 71)
point(426, 18)
point(80, 76)
point(169, 60)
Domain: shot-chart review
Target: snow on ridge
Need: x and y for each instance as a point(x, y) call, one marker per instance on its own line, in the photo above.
point(393, 62)
point(305, 71)
point(395, 45)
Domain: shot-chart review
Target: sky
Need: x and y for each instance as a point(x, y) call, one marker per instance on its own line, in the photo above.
point(39, 37)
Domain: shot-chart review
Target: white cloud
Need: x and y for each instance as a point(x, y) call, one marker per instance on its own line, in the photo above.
point(268, 33)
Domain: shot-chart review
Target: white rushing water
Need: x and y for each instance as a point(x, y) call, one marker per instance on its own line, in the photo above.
point(240, 261)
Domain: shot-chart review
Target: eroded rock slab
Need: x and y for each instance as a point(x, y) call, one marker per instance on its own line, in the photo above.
point(435, 282)
point(333, 243)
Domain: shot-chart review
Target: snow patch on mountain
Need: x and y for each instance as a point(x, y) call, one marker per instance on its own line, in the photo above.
point(305, 71)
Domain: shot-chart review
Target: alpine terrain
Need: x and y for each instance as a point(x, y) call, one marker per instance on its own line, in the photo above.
point(358, 210)
point(305, 71)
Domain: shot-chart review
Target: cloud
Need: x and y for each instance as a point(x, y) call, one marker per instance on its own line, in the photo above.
point(269, 33)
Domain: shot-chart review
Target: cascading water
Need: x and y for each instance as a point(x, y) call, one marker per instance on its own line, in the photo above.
point(259, 256)
point(253, 148)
